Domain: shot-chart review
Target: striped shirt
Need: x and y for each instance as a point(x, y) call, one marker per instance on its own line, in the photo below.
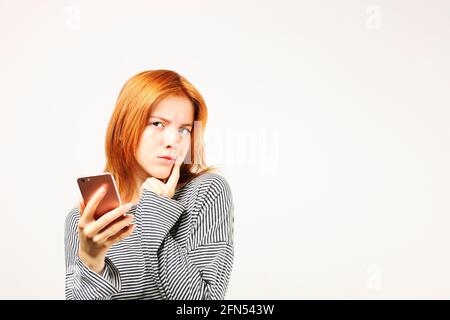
point(181, 248)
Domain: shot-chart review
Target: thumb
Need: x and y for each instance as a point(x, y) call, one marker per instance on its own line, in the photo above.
point(81, 206)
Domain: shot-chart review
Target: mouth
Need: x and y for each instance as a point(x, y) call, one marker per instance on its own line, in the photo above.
point(167, 158)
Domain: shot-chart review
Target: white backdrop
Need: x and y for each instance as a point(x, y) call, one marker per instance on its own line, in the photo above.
point(329, 119)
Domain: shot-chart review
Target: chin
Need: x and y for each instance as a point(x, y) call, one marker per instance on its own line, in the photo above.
point(159, 174)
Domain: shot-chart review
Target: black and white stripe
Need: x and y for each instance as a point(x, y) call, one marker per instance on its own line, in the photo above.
point(182, 248)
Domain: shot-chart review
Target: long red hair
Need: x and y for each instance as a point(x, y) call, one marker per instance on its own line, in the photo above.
point(130, 117)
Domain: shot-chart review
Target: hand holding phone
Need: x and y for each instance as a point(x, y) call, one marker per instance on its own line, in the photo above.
point(100, 226)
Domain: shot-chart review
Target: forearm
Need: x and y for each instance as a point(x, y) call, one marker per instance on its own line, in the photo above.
point(81, 282)
point(203, 273)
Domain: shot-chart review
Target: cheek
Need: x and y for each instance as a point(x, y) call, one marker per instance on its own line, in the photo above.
point(147, 145)
point(185, 147)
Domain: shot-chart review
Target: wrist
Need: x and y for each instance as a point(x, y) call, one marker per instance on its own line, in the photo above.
point(94, 264)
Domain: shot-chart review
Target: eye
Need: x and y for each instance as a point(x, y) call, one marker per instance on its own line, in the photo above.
point(153, 123)
point(185, 132)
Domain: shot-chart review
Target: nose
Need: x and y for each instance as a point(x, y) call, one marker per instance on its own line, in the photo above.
point(171, 137)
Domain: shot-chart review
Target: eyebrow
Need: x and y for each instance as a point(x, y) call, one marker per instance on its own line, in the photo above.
point(158, 117)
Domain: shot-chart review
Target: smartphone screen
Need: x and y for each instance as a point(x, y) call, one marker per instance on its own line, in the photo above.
point(89, 186)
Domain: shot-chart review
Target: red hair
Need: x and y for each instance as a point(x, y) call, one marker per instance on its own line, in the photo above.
point(130, 117)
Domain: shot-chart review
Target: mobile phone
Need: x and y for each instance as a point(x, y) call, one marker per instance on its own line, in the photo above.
point(89, 186)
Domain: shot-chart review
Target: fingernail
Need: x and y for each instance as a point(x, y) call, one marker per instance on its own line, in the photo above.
point(102, 190)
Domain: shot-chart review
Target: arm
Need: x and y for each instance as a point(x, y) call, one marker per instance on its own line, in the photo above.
point(82, 283)
point(202, 269)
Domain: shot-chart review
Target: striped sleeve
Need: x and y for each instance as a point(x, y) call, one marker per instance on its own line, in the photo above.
point(202, 268)
point(81, 282)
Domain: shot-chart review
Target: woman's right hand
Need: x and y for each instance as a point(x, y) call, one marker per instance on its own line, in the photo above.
point(97, 236)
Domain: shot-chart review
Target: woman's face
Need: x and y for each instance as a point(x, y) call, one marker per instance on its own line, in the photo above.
point(168, 133)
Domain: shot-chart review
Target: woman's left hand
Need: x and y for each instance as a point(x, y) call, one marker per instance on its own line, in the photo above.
point(164, 189)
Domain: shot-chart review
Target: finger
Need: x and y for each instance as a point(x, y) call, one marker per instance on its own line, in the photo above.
point(122, 234)
point(165, 191)
point(91, 206)
point(175, 175)
point(155, 185)
point(112, 230)
point(93, 228)
point(149, 184)
point(144, 186)
point(81, 206)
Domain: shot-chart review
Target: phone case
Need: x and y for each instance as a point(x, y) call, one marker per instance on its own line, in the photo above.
point(89, 186)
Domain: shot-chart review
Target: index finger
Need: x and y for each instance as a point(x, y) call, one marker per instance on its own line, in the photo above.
point(175, 175)
point(91, 206)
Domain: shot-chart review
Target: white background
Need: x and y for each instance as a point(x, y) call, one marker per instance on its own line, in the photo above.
point(329, 119)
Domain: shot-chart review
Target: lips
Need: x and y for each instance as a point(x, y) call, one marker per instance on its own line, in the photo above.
point(167, 157)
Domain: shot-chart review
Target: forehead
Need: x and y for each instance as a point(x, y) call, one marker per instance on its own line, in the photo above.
point(174, 108)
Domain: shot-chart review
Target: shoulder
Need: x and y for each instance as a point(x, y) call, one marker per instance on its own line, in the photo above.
point(213, 183)
point(72, 218)
point(211, 187)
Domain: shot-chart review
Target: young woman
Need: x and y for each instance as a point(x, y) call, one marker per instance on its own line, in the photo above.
point(173, 239)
